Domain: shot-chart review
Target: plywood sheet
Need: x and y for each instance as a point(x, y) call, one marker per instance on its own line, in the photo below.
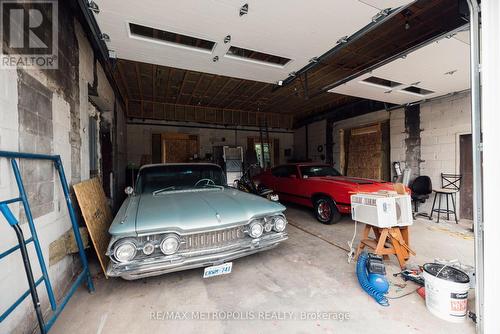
point(97, 215)
point(365, 152)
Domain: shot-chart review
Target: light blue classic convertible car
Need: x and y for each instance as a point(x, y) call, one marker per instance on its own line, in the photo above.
point(183, 216)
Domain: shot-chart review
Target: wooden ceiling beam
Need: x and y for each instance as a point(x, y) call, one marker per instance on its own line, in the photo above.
point(183, 82)
point(231, 94)
point(256, 83)
point(266, 85)
point(196, 107)
point(215, 77)
point(139, 79)
point(169, 78)
point(122, 79)
point(153, 79)
point(195, 88)
point(220, 90)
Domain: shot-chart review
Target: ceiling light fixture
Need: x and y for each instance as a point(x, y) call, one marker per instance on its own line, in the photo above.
point(227, 39)
point(244, 9)
point(215, 59)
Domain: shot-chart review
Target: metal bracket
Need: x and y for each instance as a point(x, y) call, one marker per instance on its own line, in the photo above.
point(380, 15)
point(343, 39)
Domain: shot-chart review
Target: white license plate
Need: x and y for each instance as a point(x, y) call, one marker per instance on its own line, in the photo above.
point(221, 269)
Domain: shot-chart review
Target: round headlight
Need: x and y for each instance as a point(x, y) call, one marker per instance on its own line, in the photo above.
point(268, 227)
point(256, 230)
point(279, 224)
point(125, 251)
point(169, 245)
point(148, 248)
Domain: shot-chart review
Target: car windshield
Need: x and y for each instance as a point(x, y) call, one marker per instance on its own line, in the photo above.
point(164, 178)
point(311, 171)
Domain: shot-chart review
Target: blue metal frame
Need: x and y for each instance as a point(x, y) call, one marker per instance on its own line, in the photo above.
point(7, 213)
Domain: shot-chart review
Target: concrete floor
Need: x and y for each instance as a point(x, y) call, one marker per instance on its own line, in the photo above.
point(274, 290)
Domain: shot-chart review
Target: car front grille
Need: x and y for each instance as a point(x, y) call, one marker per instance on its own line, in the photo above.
point(213, 239)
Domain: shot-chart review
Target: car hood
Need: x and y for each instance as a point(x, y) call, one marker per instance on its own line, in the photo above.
point(350, 180)
point(358, 184)
point(193, 211)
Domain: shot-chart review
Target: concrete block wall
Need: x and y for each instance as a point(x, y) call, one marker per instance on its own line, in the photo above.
point(46, 112)
point(316, 133)
point(442, 122)
point(398, 136)
point(317, 137)
point(299, 143)
point(43, 188)
point(139, 138)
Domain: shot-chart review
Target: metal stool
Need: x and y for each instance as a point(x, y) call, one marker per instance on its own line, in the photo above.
point(450, 185)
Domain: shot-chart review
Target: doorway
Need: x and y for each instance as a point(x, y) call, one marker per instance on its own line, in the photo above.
point(466, 172)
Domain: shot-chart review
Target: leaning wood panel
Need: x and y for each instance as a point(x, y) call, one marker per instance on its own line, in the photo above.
point(97, 216)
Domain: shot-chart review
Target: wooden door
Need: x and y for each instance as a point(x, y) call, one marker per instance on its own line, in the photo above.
point(466, 171)
point(178, 147)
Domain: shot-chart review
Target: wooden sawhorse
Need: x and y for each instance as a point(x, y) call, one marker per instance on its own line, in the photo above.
point(392, 240)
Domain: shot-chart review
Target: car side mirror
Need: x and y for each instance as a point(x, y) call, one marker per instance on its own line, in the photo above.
point(129, 190)
point(293, 176)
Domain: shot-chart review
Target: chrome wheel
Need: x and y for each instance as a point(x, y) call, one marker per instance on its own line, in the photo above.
point(324, 210)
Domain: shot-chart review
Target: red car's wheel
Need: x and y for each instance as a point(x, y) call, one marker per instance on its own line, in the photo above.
point(326, 211)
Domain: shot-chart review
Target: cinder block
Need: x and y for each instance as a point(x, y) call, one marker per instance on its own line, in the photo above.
point(44, 145)
point(429, 141)
point(446, 139)
point(28, 121)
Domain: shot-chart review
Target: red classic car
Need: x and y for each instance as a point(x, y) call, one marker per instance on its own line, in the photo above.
point(318, 186)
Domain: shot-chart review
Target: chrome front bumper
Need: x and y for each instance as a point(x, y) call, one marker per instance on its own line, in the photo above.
point(189, 260)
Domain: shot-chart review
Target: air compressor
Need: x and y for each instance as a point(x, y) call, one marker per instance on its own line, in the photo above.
point(370, 270)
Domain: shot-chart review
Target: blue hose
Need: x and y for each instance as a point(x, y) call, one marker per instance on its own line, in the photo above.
point(362, 274)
